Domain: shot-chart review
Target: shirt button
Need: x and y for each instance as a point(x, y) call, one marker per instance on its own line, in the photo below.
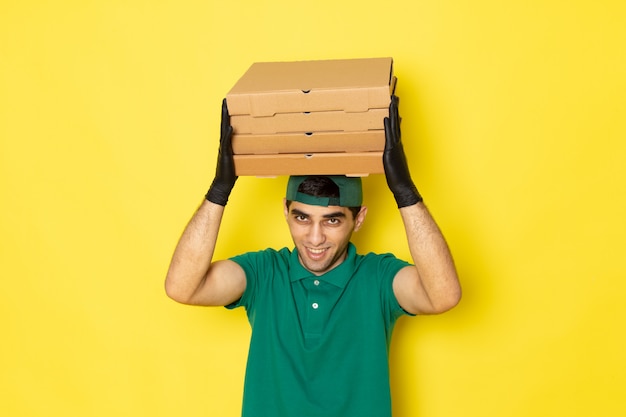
point(316, 282)
point(315, 305)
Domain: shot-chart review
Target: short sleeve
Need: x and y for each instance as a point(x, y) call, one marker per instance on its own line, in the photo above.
point(388, 267)
point(249, 263)
point(260, 268)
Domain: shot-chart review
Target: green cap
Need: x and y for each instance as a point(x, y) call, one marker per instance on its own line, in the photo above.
point(350, 192)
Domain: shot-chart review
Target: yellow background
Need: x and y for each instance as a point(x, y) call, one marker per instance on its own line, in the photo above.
point(513, 120)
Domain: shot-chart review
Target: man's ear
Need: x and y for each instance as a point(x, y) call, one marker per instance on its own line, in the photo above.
point(360, 218)
point(285, 208)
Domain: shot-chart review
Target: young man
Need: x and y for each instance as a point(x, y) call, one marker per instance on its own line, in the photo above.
point(321, 314)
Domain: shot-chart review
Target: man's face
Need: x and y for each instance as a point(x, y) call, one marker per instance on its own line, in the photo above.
point(321, 234)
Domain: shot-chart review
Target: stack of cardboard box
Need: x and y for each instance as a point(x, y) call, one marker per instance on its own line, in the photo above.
point(311, 117)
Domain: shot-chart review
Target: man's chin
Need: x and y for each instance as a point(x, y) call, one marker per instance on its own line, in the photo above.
point(314, 266)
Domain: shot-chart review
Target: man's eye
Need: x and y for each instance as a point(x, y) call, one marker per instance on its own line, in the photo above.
point(334, 221)
point(301, 218)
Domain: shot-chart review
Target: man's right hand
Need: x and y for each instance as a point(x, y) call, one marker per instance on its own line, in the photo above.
point(225, 177)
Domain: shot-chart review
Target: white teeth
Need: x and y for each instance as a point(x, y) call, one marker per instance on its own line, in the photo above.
point(316, 251)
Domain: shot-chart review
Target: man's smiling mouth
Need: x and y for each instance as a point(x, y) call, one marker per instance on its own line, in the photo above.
point(316, 252)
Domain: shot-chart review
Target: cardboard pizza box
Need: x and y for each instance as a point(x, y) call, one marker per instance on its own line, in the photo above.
point(351, 85)
point(311, 117)
point(332, 163)
point(327, 121)
point(310, 142)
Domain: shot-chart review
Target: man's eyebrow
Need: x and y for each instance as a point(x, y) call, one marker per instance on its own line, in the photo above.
point(297, 212)
point(334, 215)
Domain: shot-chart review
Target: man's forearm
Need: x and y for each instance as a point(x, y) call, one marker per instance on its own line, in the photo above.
point(432, 257)
point(194, 252)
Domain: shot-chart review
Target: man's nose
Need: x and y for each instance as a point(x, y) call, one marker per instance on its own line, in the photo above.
point(316, 234)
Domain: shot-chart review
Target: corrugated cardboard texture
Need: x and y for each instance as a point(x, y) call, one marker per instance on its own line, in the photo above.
point(353, 85)
point(327, 121)
point(373, 140)
point(337, 163)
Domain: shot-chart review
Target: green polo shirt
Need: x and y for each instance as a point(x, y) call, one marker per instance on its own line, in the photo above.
point(319, 344)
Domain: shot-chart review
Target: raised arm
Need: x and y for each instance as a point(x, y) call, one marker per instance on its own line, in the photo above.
point(432, 285)
point(193, 277)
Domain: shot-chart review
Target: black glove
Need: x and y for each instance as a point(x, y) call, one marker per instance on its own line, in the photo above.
point(225, 177)
point(394, 161)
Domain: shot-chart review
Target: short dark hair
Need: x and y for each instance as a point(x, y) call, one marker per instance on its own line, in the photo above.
point(321, 186)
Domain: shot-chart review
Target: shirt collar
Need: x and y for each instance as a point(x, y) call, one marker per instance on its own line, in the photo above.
point(338, 276)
